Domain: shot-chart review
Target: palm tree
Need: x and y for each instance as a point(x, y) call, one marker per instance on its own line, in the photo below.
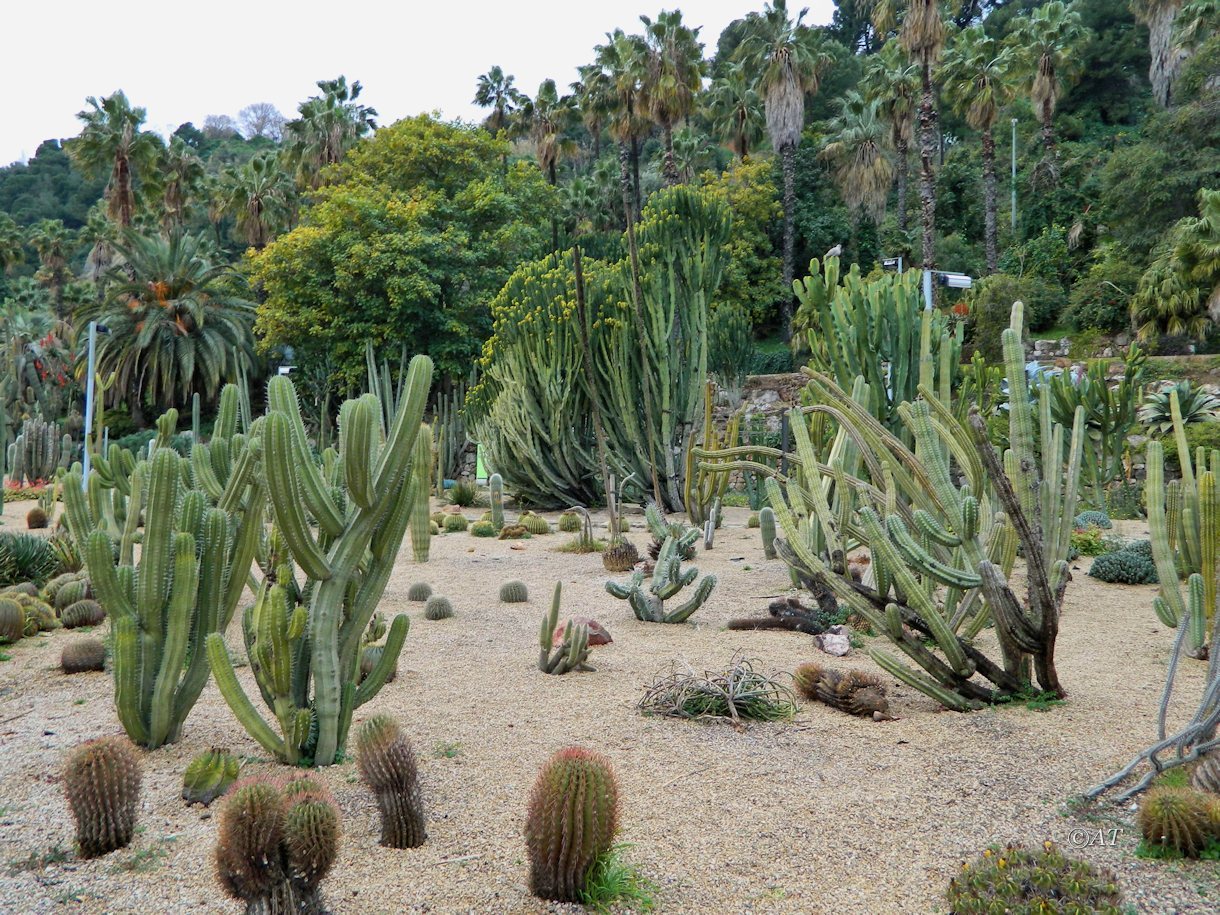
point(690, 153)
point(1048, 38)
point(673, 76)
point(977, 76)
point(893, 80)
point(327, 127)
point(735, 109)
point(595, 98)
point(620, 63)
point(256, 194)
point(1167, 56)
point(1197, 249)
point(549, 115)
point(177, 326)
point(923, 36)
point(53, 241)
point(788, 59)
point(12, 244)
point(180, 176)
point(112, 142)
point(99, 234)
point(495, 90)
point(859, 155)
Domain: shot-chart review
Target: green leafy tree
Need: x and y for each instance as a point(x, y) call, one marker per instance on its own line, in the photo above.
point(787, 58)
point(113, 142)
point(407, 245)
point(736, 109)
point(672, 78)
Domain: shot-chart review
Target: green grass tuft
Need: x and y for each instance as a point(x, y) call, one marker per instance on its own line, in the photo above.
point(614, 881)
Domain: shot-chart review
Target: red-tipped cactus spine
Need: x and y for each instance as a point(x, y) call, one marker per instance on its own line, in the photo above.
point(387, 766)
point(102, 781)
point(571, 822)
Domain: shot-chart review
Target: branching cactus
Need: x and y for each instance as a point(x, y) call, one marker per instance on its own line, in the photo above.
point(307, 639)
point(208, 776)
point(572, 653)
point(667, 580)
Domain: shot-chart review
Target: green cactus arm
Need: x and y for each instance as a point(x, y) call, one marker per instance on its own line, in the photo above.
point(623, 591)
point(215, 542)
point(1208, 533)
point(238, 702)
point(242, 476)
point(287, 501)
point(282, 400)
point(76, 506)
point(934, 530)
point(377, 677)
point(357, 445)
point(135, 506)
point(702, 591)
point(127, 678)
point(152, 586)
point(99, 558)
point(1162, 555)
point(202, 473)
point(925, 684)
point(925, 562)
point(178, 623)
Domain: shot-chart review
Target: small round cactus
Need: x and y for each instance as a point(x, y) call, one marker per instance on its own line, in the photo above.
point(483, 529)
point(368, 660)
point(623, 525)
point(39, 617)
point(620, 557)
point(102, 782)
point(437, 518)
point(419, 591)
point(1178, 818)
point(82, 656)
point(70, 593)
point(82, 613)
point(51, 589)
point(387, 765)
point(514, 592)
point(438, 608)
point(12, 621)
point(570, 522)
point(752, 521)
point(36, 518)
point(208, 776)
point(535, 524)
point(455, 523)
point(570, 823)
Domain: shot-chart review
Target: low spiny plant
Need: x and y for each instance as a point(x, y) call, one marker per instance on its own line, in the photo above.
point(387, 766)
point(102, 783)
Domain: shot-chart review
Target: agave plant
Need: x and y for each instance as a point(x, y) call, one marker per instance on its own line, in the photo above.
point(1196, 404)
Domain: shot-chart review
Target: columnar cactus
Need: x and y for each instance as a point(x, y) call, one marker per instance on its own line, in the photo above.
point(766, 525)
point(571, 822)
point(208, 776)
point(387, 765)
point(495, 486)
point(421, 522)
point(102, 782)
point(667, 580)
point(572, 653)
point(38, 451)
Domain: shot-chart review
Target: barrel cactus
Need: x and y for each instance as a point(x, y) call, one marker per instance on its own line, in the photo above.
point(535, 524)
point(102, 782)
point(514, 592)
point(1181, 819)
point(82, 613)
point(454, 523)
point(570, 522)
point(483, 529)
point(83, 656)
point(620, 557)
point(387, 765)
point(419, 591)
point(36, 519)
point(438, 608)
point(571, 822)
point(209, 775)
point(370, 657)
point(12, 621)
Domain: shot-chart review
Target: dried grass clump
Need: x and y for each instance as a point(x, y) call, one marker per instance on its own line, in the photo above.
point(738, 692)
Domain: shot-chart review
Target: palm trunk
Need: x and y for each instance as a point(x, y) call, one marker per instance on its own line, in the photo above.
point(671, 167)
point(903, 172)
point(1048, 139)
point(635, 175)
point(788, 159)
point(122, 189)
point(553, 177)
point(989, 200)
point(927, 173)
point(637, 311)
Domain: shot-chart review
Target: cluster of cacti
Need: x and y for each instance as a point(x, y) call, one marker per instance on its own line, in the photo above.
point(419, 591)
point(572, 653)
point(67, 588)
point(571, 822)
point(1183, 820)
point(704, 486)
point(82, 656)
point(34, 614)
point(305, 639)
point(387, 766)
point(438, 518)
point(1018, 879)
point(38, 451)
point(276, 842)
point(766, 526)
point(855, 692)
point(483, 529)
point(535, 524)
point(621, 556)
point(102, 783)
point(1093, 519)
point(438, 608)
point(209, 775)
point(514, 532)
point(664, 530)
point(667, 580)
point(514, 592)
point(454, 523)
point(570, 522)
point(1131, 565)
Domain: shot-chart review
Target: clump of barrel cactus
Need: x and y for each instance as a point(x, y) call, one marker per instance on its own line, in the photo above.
point(82, 613)
point(1018, 879)
point(39, 616)
point(69, 593)
point(483, 529)
point(514, 592)
point(438, 608)
point(454, 523)
point(856, 692)
point(209, 775)
point(82, 656)
point(387, 765)
point(571, 822)
point(276, 843)
point(419, 591)
point(570, 522)
point(102, 782)
point(535, 524)
point(36, 518)
point(1181, 819)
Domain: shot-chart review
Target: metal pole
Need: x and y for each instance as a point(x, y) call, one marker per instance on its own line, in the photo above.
point(89, 400)
point(927, 289)
point(1014, 178)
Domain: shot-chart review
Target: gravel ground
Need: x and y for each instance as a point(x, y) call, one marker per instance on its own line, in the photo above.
point(822, 814)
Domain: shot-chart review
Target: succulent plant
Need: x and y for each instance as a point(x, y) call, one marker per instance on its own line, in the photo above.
point(276, 843)
point(437, 518)
point(454, 523)
point(573, 652)
point(570, 522)
point(69, 593)
point(1018, 879)
point(753, 520)
point(514, 532)
point(36, 518)
point(82, 613)
point(12, 621)
point(433, 528)
point(1206, 773)
point(1124, 567)
point(1181, 819)
point(82, 656)
point(209, 775)
point(102, 782)
point(25, 558)
point(51, 589)
point(370, 657)
point(1093, 519)
point(855, 692)
point(387, 765)
point(571, 822)
point(39, 617)
point(535, 524)
point(495, 486)
point(514, 592)
point(26, 588)
point(376, 629)
point(664, 530)
point(419, 591)
point(668, 579)
point(463, 493)
point(620, 557)
point(483, 529)
point(438, 608)
point(766, 523)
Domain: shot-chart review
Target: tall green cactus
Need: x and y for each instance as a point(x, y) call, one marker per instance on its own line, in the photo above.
point(38, 451)
point(668, 579)
point(306, 640)
point(421, 521)
point(496, 487)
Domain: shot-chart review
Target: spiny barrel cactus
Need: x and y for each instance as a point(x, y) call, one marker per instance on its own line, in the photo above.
point(39, 617)
point(82, 656)
point(12, 621)
point(753, 521)
point(535, 524)
point(419, 591)
point(102, 782)
point(209, 775)
point(766, 524)
point(276, 843)
point(82, 613)
point(572, 653)
point(571, 822)
point(514, 592)
point(621, 556)
point(1180, 819)
point(570, 522)
point(69, 593)
point(387, 765)
point(370, 658)
point(36, 518)
point(667, 580)
point(855, 692)
point(438, 608)
point(483, 529)
point(455, 523)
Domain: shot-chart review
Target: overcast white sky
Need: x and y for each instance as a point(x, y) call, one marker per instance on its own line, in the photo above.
point(183, 61)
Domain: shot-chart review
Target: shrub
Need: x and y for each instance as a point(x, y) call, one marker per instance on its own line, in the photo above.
point(1086, 541)
point(1093, 519)
point(1101, 298)
point(463, 493)
point(737, 692)
point(770, 361)
point(991, 308)
point(1198, 435)
point(25, 557)
point(1017, 879)
point(1124, 567)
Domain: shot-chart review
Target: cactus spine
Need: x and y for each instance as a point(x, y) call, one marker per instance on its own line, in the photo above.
point(572, 653)
point(571, 822)
point(102, 782)
point(766, 526)
point(387, 765)
point(667, 580)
